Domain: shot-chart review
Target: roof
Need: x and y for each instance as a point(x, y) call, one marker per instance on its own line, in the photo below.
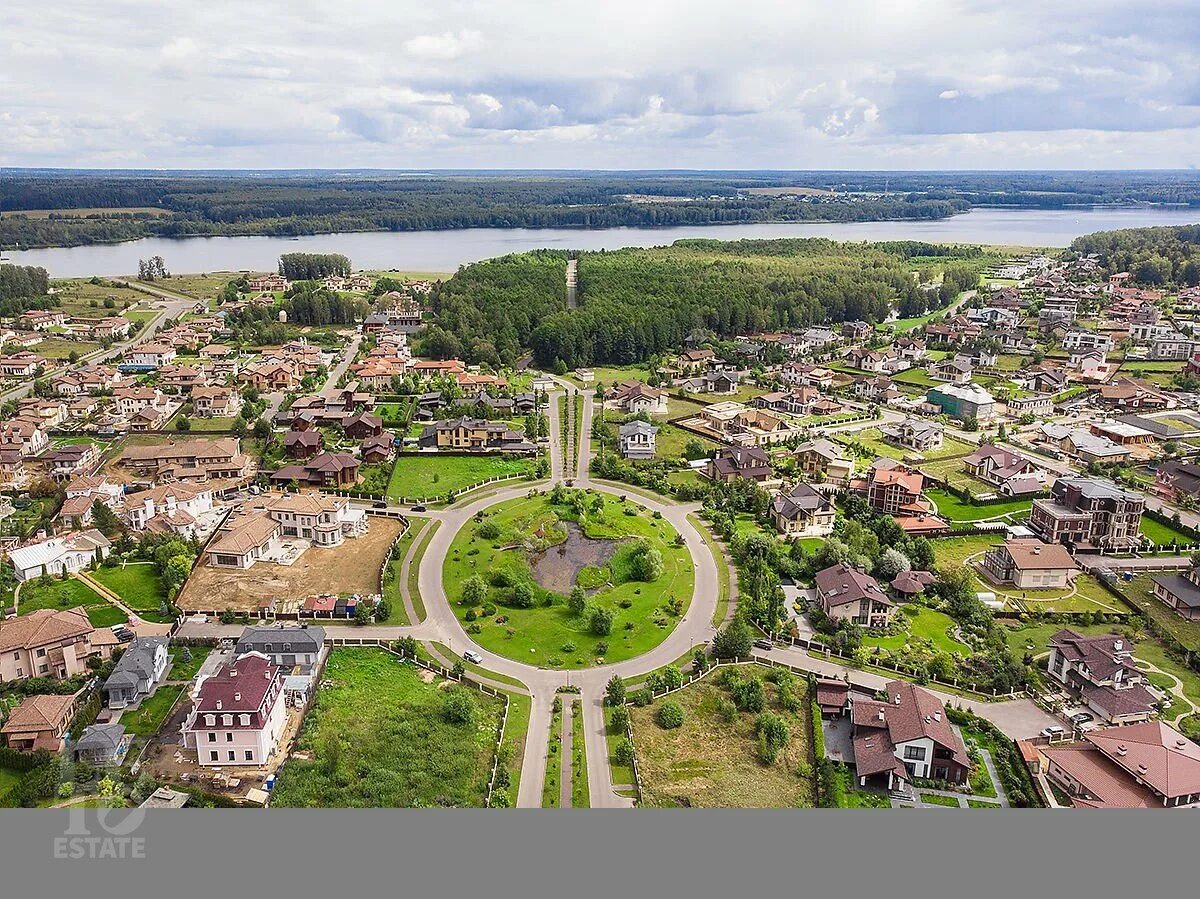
point(238, 686)
point(637, 426)
point(47, 551)
point(41, 627)
point(136, 663)
point(297, 637)
point(1160, 756)
point(245, 533)
point(1100, 777)
point(801, 498)
point(105, 737)
point(165, 797)
point(913, 582)
point(821, 447)
point(1030, 554)
point(304, 503)
point(840, 584)
point(39, 713)
point(910, 713)
point(1185, 592)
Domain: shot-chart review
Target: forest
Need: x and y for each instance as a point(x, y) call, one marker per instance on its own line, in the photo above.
point(19, 282)
point(636, 303)
point(129, 205)
point(1155, 256)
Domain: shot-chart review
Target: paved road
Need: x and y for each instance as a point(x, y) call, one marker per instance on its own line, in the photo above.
point(339, 369)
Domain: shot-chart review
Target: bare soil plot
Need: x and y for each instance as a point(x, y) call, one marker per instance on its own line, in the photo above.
point(352, 567)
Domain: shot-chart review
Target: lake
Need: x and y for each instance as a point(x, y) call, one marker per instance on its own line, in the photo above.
point(445, 251)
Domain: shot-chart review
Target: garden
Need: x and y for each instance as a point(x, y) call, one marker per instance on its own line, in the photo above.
point(383, 733)
point(568, 578)
point(740, 738)
point(54, 593)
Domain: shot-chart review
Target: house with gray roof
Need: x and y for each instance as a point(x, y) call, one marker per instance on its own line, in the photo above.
point(637, 439)
point(101, 745)
point(137, 673)
point(287, 647)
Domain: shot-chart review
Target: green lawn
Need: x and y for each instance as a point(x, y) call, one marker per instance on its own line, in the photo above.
point(106, 616)
point(956, 550)
point(552, 782)
point(924, 624)
point(670, 441)
point(139, 585)
point(580, 794)
point(1163, 534)
point(414, 571)
point(56, 349)
point(1140, 593)
point(622, 775)
point(391, 580)
point(377, 736)
point(869, 443)
point(548, 634)
point(512, 748)
point(214, 425)
point(934, 799)
point(181, 670)
point(722, 569)
point(917, 377)
point(713, 762)
point(954, 509)
point(150, 716)
point(433, 475)
point(59, 594)
point(8, 780)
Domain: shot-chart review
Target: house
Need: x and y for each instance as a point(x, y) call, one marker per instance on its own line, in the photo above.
point(914, 434)
point(243, 540)
point(291, 648)
point(239, 713)
point(101, 745)
point(877, 390)
point(323, 470)
point(147, 357)
point(847, 594)
point(635, 397)
point(40, 722)
point(270, 376)
point(822, 459)
point(1100, 670)
point(41, 319)
point(474, 435)
point(363, 425)
point(1180, 593)
point(803, 511)
point(1129, 395)
point(1013, 474)
point(137, 673)
point(1034, 404)
point(318, 517)
point(733, 462)
point(1174, 480)
point(796, 401)
point(1079, 339)
point(1145, 765)
point(64, 463)
point(856, 330)
point(955, 371)
point(906, 738)
point(1087, 513)
point(720, 382)
point(20, 365)
point(636, 439)
point(216, 402)
point(1122, 433)
point(198, 459)
point(799, 374)
point(267, 283)
point(151, 418)
point(896, 490)
point(909, 585)
point(963, 401)
point(303, 444)
point(1083, 443)
point(172, 507)
point(1030, 564)
point(377, 449)
point(182, 378)
point(54, 555)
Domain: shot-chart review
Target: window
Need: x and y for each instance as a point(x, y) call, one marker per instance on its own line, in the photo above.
point(249, 755)
point(244, 720)
point(212, 736)
point(228, 736)
point(214, 755)
point(42, 669)
point(914, 752)
point(41, 652)
point(227, 720)
point(232, 755)
point(210, 720)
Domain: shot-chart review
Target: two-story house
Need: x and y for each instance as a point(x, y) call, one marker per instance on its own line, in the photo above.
point(239, 713)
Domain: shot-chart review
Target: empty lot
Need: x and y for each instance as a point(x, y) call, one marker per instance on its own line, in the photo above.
point(352, 567)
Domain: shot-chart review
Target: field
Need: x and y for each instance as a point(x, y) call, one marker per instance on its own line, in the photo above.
point(377, 736)
point(1140, 593)
point(80, 295)
point(139, 586)
point(1163, 534)
point(433, 475)
point(956, 550)
point(57, 349)
point(352, 567)
point(916, 377)
point(608, 376)
point(1160, 374)
point(533, 548)
point(711, 762)
point(951, 507)
point(924, 624)
point(149, 717)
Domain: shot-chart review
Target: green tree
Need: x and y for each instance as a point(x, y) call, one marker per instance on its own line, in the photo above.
point(601, 622)
point(734, 641)
point(614, 692)
point(669, 715)
point(577, 601)
point(474, 591)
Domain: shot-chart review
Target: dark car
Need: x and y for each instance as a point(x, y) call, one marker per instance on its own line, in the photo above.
point(418, 508)
point(763, 644)
point(379, 504)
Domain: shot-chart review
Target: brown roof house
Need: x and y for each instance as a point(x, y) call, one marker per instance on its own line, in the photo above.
point(323, 470)
point(803, 511)
point(1029, 564)
point(1013, 474)
point(39, 722)
point(732, 462)
point(1147, 765)
point(1101, 671)
point(847, 594)
point(905, 738)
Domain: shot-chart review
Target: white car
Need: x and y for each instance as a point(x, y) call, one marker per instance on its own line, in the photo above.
point(473, 657)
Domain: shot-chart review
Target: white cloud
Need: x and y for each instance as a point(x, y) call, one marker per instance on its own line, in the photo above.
point(699, 83)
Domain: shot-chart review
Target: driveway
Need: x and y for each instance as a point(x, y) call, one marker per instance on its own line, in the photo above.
point(838, 743)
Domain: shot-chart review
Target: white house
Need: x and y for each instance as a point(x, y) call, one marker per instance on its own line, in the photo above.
point(239, 713)
point(71, 553)
point(637, 439)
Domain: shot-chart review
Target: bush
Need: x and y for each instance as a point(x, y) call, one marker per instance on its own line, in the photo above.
point(488, 530)
point(460, 708)
point(672, 677)
point(669, 715)
point(614, 692)
point(601, 623)
point(749, 696)
point(619, 719)
point(623, 752)
point(577, 602)
point(733, 642)
point(474, 591)
point(727, 710)
point(772, 736)
point(522, 596)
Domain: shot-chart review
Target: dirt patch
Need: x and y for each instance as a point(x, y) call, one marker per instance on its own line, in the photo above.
point(352, 567)
point(557, 567)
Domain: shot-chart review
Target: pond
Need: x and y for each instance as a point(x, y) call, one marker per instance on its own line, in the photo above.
point(557, 568)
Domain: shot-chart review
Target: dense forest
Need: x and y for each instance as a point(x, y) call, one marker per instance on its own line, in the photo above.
point(310, 266)
point(1155, 256)
point(124, 206)
point(636, 303)
point(18, 282)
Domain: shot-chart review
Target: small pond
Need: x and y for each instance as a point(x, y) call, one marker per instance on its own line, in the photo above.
point(557, 567)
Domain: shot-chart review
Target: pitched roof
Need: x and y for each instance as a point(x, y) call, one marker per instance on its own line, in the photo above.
point(840, 584)
point(41, 627)
point(238, 686)
point(1160, 756)
point(1100, 777)
point(38, 713)
point(1031, 554)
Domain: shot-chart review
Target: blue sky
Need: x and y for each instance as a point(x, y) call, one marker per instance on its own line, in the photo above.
point(618, 84)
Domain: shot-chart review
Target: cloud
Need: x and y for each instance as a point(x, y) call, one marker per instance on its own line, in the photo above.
point(461, 83)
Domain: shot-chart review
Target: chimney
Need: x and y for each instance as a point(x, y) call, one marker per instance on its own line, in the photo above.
point(897, 699)
point(233, 672)
point(218, 703)
point(237, 697)
point(1142, 769)
point(1122, 749)
point(1180, 743)
point(1118, 645)
point(937, 716)
point(881, 716)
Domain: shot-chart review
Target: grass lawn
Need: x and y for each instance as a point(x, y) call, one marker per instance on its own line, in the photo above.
point(56, 349)
point(924, 624)
point(548, 634)
point(414, 572)
point(622, 775)
point(8, 780)
point(934, 799)
point(139, 585)
point(608, 376)
point(956, 550)
point(377, 737)
point(722, 569)
point(75, 592)
point(391, 580)
point(106, 616)
point(670, 441)
point(433, 475)
point(869, 443)
point(551, 784)
point(1163, 534)
point(1140, 593)
point(712, 762)
point(150, 716)
point(181, 670)
point(953, 508)
point(855, 798)
point(512, 747)
point(918, 377)
point(580, 795)
point(977, 803)
point(214, 425)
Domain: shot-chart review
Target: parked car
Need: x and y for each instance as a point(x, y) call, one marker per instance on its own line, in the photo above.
point(379, 504)
point(763, 644)
point(473, 657)
point(1082, 718)
point(1054, 731)
point(418, 508)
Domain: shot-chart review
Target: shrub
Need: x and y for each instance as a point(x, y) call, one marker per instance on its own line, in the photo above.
point(460, 708)
point(615, 691)
point(623, 752)
point(672, 677)
point(522, 596)
point(726, 709)
point(474, 591)
point(488, 530)
point(734, 641)
point(601, 623)
point(669, 715)
point(772, 736)
point(577, 601)
point(749, 696)
point(620, 719)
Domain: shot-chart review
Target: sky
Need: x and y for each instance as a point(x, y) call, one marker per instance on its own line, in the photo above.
point(804, 84)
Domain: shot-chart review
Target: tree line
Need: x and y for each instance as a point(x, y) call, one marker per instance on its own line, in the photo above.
point(18, 282)
point(1154, 256)
point(313, 266)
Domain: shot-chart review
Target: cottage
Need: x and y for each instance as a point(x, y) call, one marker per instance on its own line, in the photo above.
point(323, 470)
point(732, 462)
point(847, 594)
point(1029, 564)
point(822, 459)
point(803, 511)
point(1014, 474)
point(137, 673)
point(68, 553)
point(40, 722)
point(637, 439)
point(1100, 670)
point(239, 713)
point(101, 745)
point(915, 434)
